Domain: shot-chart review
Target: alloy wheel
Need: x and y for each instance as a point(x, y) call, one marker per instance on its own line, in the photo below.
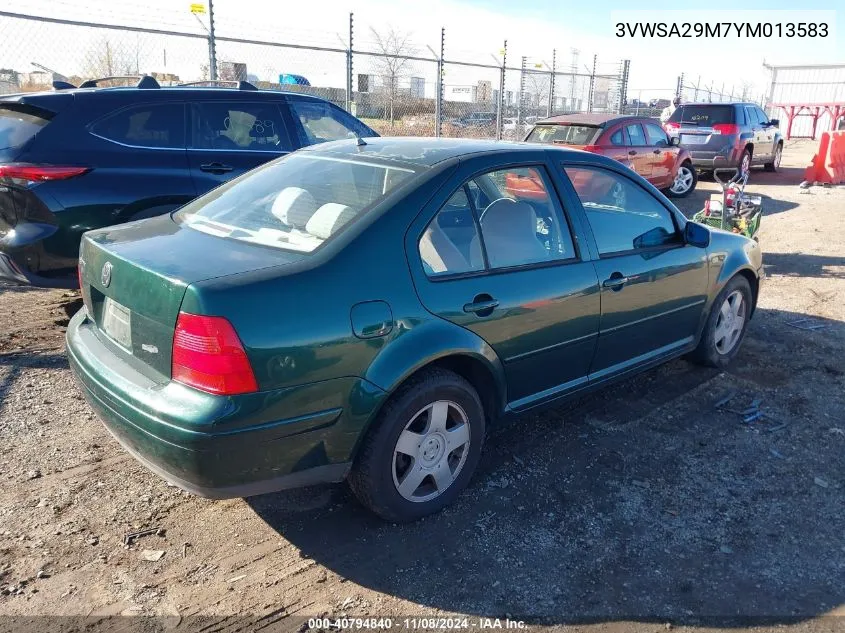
point(683, 180)
point(431, 451)
point(745, 166)
point(730, 323)
point(778, 156)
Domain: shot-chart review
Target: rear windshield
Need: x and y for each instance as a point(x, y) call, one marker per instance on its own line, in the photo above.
point(703, 115)
point(296, 203)
point(565, 134)
point(19, 123)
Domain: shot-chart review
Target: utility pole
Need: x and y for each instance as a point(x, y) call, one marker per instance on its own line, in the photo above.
point(575, 52)
point(212, 43)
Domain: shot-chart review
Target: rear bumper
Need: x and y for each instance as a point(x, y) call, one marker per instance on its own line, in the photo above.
point(708, 159)
point(222, 447)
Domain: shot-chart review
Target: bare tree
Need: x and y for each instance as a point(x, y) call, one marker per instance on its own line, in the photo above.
point(392, 64)
point(108, 60)
point(537, 87)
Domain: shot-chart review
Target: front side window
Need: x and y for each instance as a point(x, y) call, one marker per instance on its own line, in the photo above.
point(656, 136)
point(761, 116)
point(238, 126)
point(501, 219)
point(158, 125)
point(622, 215)
point(319, 122)
point(296, 203)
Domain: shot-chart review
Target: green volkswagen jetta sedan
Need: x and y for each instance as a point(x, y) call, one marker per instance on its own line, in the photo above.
point(364, 310)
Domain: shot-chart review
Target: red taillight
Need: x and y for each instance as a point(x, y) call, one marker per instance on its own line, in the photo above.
point(39, 173)
point(209, 356)
point(726, 128)
point(671, 126)
point(591, 148)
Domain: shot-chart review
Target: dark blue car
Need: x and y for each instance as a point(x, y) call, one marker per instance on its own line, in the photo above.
point(73, 160)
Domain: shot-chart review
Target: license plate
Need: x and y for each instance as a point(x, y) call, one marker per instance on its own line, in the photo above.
point(693, 139)
point(117, 323)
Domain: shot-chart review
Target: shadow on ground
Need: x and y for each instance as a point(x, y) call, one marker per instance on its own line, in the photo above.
point(802, 265)
point(646, 504)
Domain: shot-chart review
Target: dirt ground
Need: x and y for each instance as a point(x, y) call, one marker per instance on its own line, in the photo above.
point(638, 508)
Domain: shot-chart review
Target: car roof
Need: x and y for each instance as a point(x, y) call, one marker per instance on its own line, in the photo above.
point(183, 91)
point(426, 151)
point(598, 119)
point(720, 103)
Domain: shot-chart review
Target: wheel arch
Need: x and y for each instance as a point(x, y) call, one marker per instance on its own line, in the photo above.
point(447, 347)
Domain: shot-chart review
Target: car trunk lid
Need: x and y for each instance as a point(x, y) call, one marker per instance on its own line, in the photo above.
point(134, 276)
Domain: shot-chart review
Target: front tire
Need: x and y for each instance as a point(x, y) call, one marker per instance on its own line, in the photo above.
point(685, 182)
point(423, 448)
point(726, 325)
point(775, 164)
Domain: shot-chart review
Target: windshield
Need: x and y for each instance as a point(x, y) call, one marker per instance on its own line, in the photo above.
point(296, 203)
point(703, 115)
point(565, 134)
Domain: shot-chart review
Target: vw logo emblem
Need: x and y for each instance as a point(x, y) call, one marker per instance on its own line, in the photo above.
point(105, 276)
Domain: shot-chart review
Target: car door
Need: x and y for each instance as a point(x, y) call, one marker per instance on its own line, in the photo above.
point(482, 260)
point(614, 144)
point(767, 132)
point(759, 134)
point(638, 150)
point(663, 156)
point(653, 284)
point(230, 137)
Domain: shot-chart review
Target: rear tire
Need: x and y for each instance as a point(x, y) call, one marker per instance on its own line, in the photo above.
point(775, 164)
point(726, 325)
point(423, 448)
point(744, 162)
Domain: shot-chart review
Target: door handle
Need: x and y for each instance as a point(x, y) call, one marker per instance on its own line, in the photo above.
point(482, 305)
point(632, 152)
point(657, 151)
point(216, 168)
point(615, 282)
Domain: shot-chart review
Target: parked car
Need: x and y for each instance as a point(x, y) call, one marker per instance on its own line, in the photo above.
point(79, 159)
point(636, 142)
point(719, 135)
point(477, 120)
point(367, 310)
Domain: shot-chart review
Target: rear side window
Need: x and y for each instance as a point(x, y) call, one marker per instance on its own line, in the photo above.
point(751, 116)
point(239, 126)
point(156, 125)
point(564, 134)
point(295, 203)
point(618, 137)
point(20, 123)
point(703, 115)
point(319, 122)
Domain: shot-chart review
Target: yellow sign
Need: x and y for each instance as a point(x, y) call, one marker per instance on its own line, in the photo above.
point(198, 8)
point(502, 52)
point(538, 65)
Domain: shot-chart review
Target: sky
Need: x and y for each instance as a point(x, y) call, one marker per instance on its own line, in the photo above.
point(475, 32)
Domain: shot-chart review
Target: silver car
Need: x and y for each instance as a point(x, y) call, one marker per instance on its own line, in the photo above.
point(720, 135)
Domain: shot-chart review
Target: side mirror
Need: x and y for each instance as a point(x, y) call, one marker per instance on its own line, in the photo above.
point(774, 122)
point(674, 141)
point(696, 235)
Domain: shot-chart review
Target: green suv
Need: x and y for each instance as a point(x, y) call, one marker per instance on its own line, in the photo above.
point(364, 310)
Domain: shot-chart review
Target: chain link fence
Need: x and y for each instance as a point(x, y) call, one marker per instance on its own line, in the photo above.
point(394, 84)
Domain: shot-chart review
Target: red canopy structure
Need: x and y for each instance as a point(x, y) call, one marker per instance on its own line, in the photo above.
point(815, 110)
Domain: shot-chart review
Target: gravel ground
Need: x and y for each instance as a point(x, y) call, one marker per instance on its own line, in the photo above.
point(628, 510)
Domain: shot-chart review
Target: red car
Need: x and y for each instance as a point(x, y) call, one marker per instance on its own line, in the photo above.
point(637, 142)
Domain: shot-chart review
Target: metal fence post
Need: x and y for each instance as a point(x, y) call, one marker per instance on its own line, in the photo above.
point(500, 107)
point(680, 88)
point(438, 103)
point(212, 42)
point(697, 84)
point(623, 88)
point(349, 97)
point(550, 107)
point(592, 84)
point(519, 105)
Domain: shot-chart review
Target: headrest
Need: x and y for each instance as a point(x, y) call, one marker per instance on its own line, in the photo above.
point(294, 206)
point(328, 219)
point(507, 216)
